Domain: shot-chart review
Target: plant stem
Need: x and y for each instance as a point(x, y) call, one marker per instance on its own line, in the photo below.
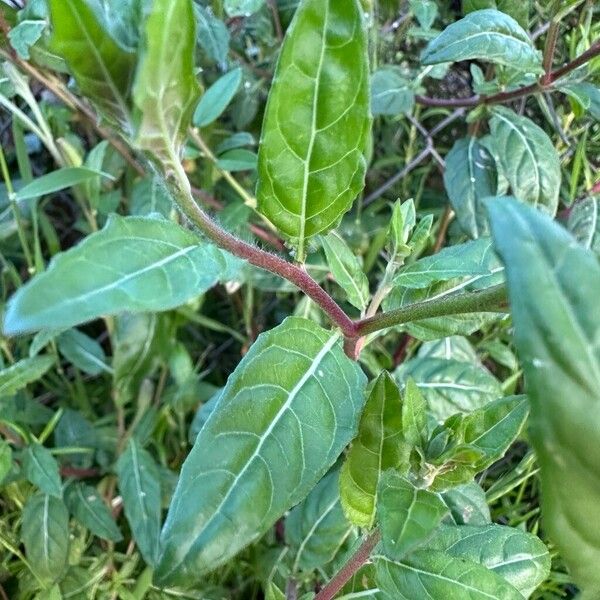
point(490, 300)
point(346, 573)
point(546, 82)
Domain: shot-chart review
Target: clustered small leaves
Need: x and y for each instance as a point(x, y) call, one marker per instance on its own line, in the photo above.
point(397, 351)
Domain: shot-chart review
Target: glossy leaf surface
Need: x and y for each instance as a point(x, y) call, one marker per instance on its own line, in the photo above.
point(554, 285)
point(273, 434)
point(487, 35)
point(311, 164)
point(134, 264)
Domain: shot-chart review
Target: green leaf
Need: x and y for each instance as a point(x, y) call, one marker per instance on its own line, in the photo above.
point(469, 177)
point(586, 94)
point(56, 181)
point(584, 223)
point(518, 557)
point(217, 98)
point(102, 68)
point(134, 264)
point(238, 159)
point(83, 352)
point(450, 386)
point(408, 516)
point(378, 446)
point(439, 575)
point(347, 270)
point(41, 469)
point(165, 90)
point(554, 285)
point(25, 35)
point(242, 8)
point(247, 467)
point(88, 507)
point(517, 9)
point(528, 157)
point(467, 504)
point(487, 35)
point(311, 163)
point(45, 534)
point(316, 528)
point(471, 259)
point(22, 373)
point(454, 347)
point(390, 93)
point(212, 34)
point(272, 592)
point(5, 460)
point(414, 415)
point(139, 484)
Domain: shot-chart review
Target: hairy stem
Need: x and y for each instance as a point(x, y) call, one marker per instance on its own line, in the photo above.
point(490, 300)
point(546, 82)
point(346, 573)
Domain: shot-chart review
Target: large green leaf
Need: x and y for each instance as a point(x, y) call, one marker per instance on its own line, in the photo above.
point(517, 556)
point(316, 528)
point(528, 158)
point(45, 534)
point(378, 446)
point(470, 176)
point(311, 165)
point(22, 373)
point(488, 35)
point(286, 414)
point(87, 506)
point(139, 484)
point(450, 386)
point(41, 469)
point(554, 286)
point(434, 574)
point(408, 516)
point(102, 68)
point(166, 90)
point(134, 264)
point(584, 223)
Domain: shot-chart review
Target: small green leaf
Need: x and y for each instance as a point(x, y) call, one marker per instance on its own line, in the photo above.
point(273, 592)
point(311, 163)
point(440, 576)
point(450, 386)
point(87, 506)
point(25, 35)
point(45, 534)
point(217, 98)
point(247, 467)
point(554, 286)
point(586, 94)
point(134, 264)
point(22, 373)
point(83, 352)
point(414, 415)
point(390, 93)
point(469, 177)
point(529, 160)
point(408, 516)
point(467, 504)
point(487, 35)
point(56, 181)
point(238, 159)
point(378, 446)
point(316, 528)
point(518, 557)
point(139, 484)
point(5, 460)
point(102, 68)
point(517, 9)
point(41, 469)
point(212, 34)
point(584, 223)
point(242, 8)
point(165, 90)
point(347, 270)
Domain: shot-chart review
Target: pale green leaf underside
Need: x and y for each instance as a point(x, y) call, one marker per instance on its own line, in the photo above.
point(529, 160)
point(134, 264)
point(286, 414)
point(489, 35)
point(311, 164)
point(554, 286)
